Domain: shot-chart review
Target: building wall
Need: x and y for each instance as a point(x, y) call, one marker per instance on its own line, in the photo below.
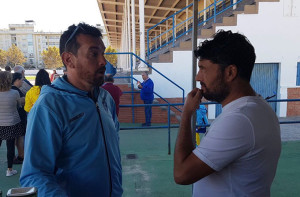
point(293, 108)
point(274, 32)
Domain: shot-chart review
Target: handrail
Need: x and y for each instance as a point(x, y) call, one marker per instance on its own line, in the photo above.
point(161, 75)
point(132, 78)
point(212, 11)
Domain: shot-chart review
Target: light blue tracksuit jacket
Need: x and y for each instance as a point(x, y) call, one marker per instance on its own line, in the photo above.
point(71, 147)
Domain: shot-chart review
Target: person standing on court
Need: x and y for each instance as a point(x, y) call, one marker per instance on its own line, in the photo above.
point(114, 90)
point(72, 137)
point(41, 79)
point(26, 84)
point(10, 122)
point(239, 153)
point(147, 96)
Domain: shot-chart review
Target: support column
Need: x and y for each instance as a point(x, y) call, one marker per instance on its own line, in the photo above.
point(133, 32)
point(128, 23)
point(204, 16)
point(187, 16)
point(142, 66)
point(160, 36)
point(194, 47)
point(235, 6)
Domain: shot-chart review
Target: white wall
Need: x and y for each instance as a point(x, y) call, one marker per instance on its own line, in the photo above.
point(180, 72)
point(275, 35)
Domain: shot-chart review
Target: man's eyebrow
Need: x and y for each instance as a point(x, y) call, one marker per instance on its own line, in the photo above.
point(96, 48)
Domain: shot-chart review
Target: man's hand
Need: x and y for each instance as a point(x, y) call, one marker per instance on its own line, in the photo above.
point(192, 102)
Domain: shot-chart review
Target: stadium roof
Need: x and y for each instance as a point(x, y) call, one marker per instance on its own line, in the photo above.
point(112, 12)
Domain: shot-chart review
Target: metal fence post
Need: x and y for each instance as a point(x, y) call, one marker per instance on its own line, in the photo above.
point(169, 131)
point(132, 96)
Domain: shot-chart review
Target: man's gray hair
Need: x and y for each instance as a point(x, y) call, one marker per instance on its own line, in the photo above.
point(145, 72)
point(19, 69)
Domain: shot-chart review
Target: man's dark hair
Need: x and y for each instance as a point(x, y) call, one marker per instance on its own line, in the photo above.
point(227, 48)
point(42, 78)
point(15, 77)
point(8, 68)
point(68, 41)
point(108, 78)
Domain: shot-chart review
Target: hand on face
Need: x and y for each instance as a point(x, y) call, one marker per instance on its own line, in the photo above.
point(192, 101)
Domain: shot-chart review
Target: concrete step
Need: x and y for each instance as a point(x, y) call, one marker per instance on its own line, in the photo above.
point(267, 0)
point(183, 46)
point(207, 33)
point(251, 9)
point(166, 58)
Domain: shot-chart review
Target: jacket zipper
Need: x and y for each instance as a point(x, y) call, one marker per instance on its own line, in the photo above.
point(104, 139)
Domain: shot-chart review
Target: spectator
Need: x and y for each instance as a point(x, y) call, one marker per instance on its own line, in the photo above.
point(65, 71)
point(114, 90)
point(76, 122)
point(8, 68)
point(54, 76)
point(27, 85)
point(201, 120)
point(238, 155)
point(147, 96)
point(10, 122)
point(17, 81)
point(42, 78)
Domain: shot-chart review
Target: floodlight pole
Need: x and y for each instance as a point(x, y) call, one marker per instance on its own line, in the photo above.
point(194, 59)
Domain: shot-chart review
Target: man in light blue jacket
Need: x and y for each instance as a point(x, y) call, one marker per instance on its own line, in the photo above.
point(72, 140)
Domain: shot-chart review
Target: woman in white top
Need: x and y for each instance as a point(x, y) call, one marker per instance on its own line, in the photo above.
point(10, 122)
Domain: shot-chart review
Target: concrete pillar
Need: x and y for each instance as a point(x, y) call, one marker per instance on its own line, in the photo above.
point(142, 66)
point(133, 32)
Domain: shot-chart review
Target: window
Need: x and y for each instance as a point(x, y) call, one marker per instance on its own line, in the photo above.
point(298, 74)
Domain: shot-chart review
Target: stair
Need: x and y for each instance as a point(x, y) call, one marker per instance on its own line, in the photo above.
point(159, 113)
point(207, 30)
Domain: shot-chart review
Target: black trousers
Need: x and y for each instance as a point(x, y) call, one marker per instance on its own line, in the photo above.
point(10, 146)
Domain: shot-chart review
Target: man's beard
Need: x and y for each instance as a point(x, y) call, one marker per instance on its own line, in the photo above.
point(98, 81)
point(218, 93)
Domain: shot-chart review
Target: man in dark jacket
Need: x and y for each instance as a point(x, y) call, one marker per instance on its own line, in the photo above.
point(147, 96)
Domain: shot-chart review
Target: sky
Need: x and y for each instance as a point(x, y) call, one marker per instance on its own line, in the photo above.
point(49, 15)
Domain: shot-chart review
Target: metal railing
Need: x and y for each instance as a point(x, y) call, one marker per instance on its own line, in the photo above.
point(178, 30)
point(134, 79)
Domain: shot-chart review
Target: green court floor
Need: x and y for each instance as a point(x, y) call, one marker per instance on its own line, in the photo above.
point(148, 169)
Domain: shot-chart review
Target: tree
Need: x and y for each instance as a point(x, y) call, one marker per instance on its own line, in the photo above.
point(15, 56)
point(3, 59)
point(111, 58)
point(52, 58)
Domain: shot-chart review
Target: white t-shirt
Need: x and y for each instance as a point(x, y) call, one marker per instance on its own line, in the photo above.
point(243, 145)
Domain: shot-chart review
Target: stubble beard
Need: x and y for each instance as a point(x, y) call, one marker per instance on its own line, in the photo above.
point(218, 93)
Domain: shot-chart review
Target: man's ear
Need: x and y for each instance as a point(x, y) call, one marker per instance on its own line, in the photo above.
point(231, 72)
point(67, 59)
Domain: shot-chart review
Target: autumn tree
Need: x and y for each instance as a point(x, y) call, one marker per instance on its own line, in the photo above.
point(111, 58)
point(15, 56)
point(3, 59)
point(52, 58)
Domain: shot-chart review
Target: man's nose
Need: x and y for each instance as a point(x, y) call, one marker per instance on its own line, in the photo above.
point(198, 76)
point(101, 61)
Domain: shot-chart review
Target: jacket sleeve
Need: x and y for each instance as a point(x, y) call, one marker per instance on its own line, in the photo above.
point(42, 146)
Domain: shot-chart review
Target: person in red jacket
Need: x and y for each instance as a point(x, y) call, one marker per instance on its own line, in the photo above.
point(114, 90)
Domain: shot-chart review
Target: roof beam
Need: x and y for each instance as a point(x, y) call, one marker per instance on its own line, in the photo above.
point(136, 5)
point(119, 13)
point(154, 11)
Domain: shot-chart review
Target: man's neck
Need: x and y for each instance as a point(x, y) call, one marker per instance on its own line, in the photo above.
point(78, 84)
point(241, 89)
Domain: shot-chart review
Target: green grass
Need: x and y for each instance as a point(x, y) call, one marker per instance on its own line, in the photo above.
point(30, 78)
